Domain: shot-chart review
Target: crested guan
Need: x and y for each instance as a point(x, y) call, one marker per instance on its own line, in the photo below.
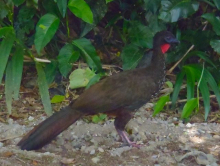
point(117, 95)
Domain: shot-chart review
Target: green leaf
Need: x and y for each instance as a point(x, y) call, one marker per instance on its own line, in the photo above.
point(81, 9)
point(43, 89)
point(212, 83)
point(95, 119)
point(99, 9)
point(80, 78)
point(200, 54)
point(160, 104)
point(57, 99)
point(62, 5)
point(214, 21)
point(204, 89)
point(50, 71)
point(190, 105)
point(5, 49)
point(45, 30)
point(67, 55)
point(5, 31)
point(169, 84)
point(131, 56)
point(17, 68)
point(93, 80)
point(176, 90)
point(89, 53)
point(173, 10)
point(217, 3)
point(153, 6)
point(3, 10)
point(141, 35)
point(215, 45)
point(9, 87)
point(18, 2)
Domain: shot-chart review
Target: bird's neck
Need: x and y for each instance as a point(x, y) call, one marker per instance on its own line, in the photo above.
point(158, 60)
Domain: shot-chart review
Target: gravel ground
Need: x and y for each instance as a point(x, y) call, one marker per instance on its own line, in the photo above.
point(164, 142)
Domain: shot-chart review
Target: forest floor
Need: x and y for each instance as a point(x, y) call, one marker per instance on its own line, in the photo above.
point(165, 140)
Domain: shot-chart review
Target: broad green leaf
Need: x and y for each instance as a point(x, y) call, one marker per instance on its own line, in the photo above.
point(176, 90)
point(160, 104)
point(212, 83)
point(80, 78)
point(9, 87)
point(17, 68)
point(141, 35)
point(81, 9)
point(18, 2)
point(5, 31)
point(153, 6)
point(57, 99)
point(43, 89)
point(93, 80)
point(173, 10)
point(131, 56)
point(200, 54)
point(214, 21)
point(99, 9)
point(89, 53)
point(5, 49)
point(67, 55)
point(217, 3)
point(50, 71)
point(62, 5)
point(203, 87)
point(45, 30)
point(190, 105)
point(3, 10)
point(51, 7)
point(215, 45)
point(96, 119)
point(107, 1)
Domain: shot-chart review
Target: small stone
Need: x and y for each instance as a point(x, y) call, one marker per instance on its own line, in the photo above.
point(216, 136)
point(101, 150)
point(10, 121)
point(181, 124)
point(1, 144)
point(188, 125)
point(92, 151)
point(30, 118)
point(95, 160)
point(175, 119)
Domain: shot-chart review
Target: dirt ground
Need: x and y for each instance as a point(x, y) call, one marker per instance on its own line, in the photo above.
point(165, 141)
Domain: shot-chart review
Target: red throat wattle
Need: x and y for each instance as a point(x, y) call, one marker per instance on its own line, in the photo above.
point(164, 48)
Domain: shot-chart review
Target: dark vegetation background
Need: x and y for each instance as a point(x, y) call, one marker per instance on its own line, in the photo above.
point(52, 38)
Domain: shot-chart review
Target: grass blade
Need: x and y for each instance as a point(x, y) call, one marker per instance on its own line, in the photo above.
point(9, 87)
point(43, 88)
point(188, 108)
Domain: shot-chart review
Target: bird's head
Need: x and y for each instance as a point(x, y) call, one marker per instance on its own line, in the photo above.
point(163, 40)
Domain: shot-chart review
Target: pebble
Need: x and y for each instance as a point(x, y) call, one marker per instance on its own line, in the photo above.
point(101, 150)
point(216, 136)
point(95, 160)
point(92, 151)
point(1, 144)
point(188, 125)
point(30, 118)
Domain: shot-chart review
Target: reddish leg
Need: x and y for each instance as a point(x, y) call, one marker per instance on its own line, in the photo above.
point(120, 122)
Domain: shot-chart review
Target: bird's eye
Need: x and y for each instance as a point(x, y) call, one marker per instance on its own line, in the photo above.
point(167, 39)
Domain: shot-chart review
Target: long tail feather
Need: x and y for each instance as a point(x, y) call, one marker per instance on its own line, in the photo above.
point(47, 130)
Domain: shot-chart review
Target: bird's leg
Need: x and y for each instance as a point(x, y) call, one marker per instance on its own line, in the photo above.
point(120, 122)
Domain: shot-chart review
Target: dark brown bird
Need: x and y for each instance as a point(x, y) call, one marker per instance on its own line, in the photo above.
point(119, 95)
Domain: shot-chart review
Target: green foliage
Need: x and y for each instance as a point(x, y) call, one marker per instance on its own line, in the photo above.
point(65, 31)
point(80, 78)
point(81, 9)
point(98, 118)
point(45, 30)
point(57, 99)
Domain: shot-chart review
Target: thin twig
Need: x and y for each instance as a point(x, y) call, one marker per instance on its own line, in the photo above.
point(177, 63)
point(5, 139)
point(185, 100)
